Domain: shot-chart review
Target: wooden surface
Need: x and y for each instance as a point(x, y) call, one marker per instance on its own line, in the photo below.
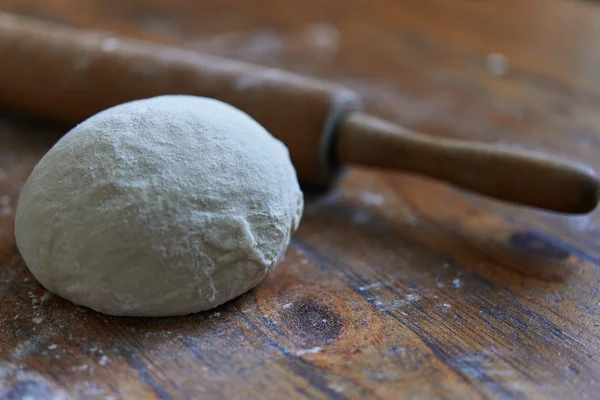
point(395, 286)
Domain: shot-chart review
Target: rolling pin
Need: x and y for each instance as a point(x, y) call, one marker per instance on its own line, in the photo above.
point(70, 74)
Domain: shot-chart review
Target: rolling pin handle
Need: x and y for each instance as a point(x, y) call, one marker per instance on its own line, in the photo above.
point(506, 174)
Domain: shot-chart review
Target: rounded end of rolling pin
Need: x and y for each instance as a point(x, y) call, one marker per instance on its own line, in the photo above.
point(590, 192)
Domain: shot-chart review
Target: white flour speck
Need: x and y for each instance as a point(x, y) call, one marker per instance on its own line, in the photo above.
point(216, 315)
point(398, 303)
point(457, 283)
point(286, 306)
point(309, 351)
point(412, 297)
point(336, 388)
point(257, 45)
point(372, 199)
point(584, 223)
point(446, 305)
point(371, 286)
point(497, 64)
point(412, 220)
point(37, 311)
point(110, 44)
point(103, 360)
point(325, 37)
point(52, 347)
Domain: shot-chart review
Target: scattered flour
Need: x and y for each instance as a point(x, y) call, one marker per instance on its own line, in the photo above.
point(324, 37)
point(336, 387)
point(13, 376)
point(110, 45)
point(497, 64)
point(371, 286)
point(372, 199)
point(412, 297)
point(309, 351)
point(5, 208)
point(36, 304)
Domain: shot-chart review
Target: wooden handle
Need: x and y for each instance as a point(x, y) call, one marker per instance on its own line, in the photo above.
point(506, 174)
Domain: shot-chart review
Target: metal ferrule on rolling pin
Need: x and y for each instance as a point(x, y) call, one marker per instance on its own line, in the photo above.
point(79, 73)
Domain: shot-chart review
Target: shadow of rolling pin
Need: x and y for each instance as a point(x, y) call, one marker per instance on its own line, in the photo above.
point(70, 74)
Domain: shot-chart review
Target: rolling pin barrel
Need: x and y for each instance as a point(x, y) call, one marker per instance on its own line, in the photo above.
point(69, 75)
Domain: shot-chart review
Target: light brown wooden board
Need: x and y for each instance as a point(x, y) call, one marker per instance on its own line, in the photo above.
point(394, 286)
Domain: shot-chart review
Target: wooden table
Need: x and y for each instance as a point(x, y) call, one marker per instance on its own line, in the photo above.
point(395, 287)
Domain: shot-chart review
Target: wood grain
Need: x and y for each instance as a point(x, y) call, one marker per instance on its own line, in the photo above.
point(394, 286)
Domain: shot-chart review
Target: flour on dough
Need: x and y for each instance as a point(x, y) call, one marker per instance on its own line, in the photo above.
point(164, 206)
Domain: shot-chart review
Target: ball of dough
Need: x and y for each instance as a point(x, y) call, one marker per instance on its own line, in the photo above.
point(157, 207)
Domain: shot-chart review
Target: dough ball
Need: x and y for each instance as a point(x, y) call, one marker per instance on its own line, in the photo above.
point(163, 206)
